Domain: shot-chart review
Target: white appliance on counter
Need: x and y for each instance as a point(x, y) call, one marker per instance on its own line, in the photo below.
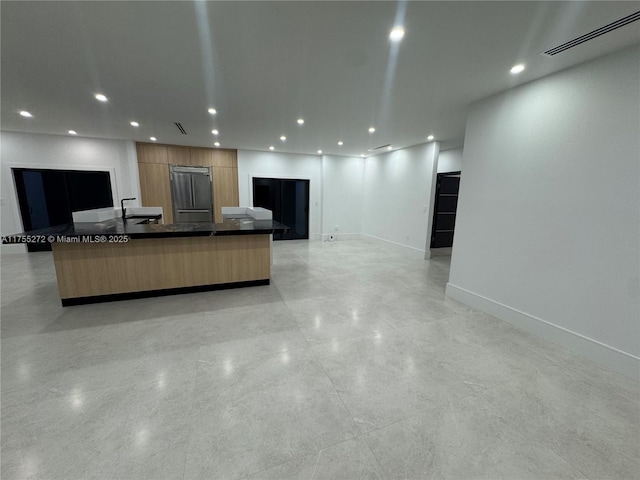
point(257, 213)
point(95, 215)
point(98, 215)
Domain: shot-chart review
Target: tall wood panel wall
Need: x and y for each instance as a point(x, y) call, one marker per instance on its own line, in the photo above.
point(155, 187)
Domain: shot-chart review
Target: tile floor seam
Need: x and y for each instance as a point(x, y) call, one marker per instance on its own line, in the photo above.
point(419, 413)
point(94, 390)
point(30, 401)
point(633, 382)
point(379, 463)
point(345, 338)
point(315, 468)
point(334, 389)
point(483, 388)
point(297, 324)
point(228, 386)
point(189, 415)
point(519, 433)
point(558, 454)
point(572, 465)
point(302, 455)
point(294, 457)
point(532, 350)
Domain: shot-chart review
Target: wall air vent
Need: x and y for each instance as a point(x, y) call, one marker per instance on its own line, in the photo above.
point(378, 148)
point(591, 35)
point(182, 130)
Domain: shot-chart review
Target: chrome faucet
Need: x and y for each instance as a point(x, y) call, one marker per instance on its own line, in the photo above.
point(124, 210)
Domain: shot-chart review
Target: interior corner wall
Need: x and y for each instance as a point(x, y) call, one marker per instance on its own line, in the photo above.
point(283, 165)
point(450, 160)
point(548, 224)
point(397, 195)
point(30, 150)
point(342, 179)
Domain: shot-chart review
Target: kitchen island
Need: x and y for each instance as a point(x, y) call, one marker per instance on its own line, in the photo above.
point(117, 260)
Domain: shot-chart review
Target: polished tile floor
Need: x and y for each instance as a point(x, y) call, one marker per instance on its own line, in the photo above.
point(352, 364)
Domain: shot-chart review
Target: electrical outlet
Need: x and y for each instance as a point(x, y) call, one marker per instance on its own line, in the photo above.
point(336, 228)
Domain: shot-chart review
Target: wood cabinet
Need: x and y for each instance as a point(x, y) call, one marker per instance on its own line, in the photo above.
point(155, 187)
point(200, 157)
point(225, 190)
point(151, 153)
point(225, 158)
point(152, 264)
point(178, 155)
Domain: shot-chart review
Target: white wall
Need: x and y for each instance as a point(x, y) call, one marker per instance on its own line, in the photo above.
point(30, 150)
point(343, 179)
point(547, 231)
point(450, 160)
point(397, 195)
point(283, 165)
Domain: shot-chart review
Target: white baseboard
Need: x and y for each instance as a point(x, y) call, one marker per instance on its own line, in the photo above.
point(610, 357)
point(385, 241)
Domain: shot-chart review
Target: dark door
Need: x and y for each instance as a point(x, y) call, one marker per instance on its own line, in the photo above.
point(289, 202)
point(36, 201)
point(48, 197)
point(444, 214)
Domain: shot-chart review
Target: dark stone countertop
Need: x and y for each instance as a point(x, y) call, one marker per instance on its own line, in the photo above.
point(90, 232)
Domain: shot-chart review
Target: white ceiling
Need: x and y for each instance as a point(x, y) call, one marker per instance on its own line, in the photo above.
point(264, 64)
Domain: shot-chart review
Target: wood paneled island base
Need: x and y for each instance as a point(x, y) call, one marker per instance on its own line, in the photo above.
point(99, 272)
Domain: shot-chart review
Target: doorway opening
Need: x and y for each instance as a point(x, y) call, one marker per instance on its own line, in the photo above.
point(288, 200)
point(444, 212)
point(47, 198)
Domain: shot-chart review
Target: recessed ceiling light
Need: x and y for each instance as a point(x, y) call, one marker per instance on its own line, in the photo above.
point(101, 97)
point(272, 147)
point(215, 132)
point(372, 129)
point(300, 121)
point(283, 138)
point(389, 147)
point(362, 154)
point(217, 144)
point(135, 124)
point(212, 111)
point(153, 139)
point(340, 143)
point(430, 137)
point(24, 113)
point(517, 68)
point(72, 132)
point(396, 34)
point(320, 152)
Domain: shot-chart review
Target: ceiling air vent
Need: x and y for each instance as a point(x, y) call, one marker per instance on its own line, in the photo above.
point(595, 33)
point(182, 130)
point(378, 148)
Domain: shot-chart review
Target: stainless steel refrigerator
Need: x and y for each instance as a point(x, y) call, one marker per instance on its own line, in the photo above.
point(191, 191)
